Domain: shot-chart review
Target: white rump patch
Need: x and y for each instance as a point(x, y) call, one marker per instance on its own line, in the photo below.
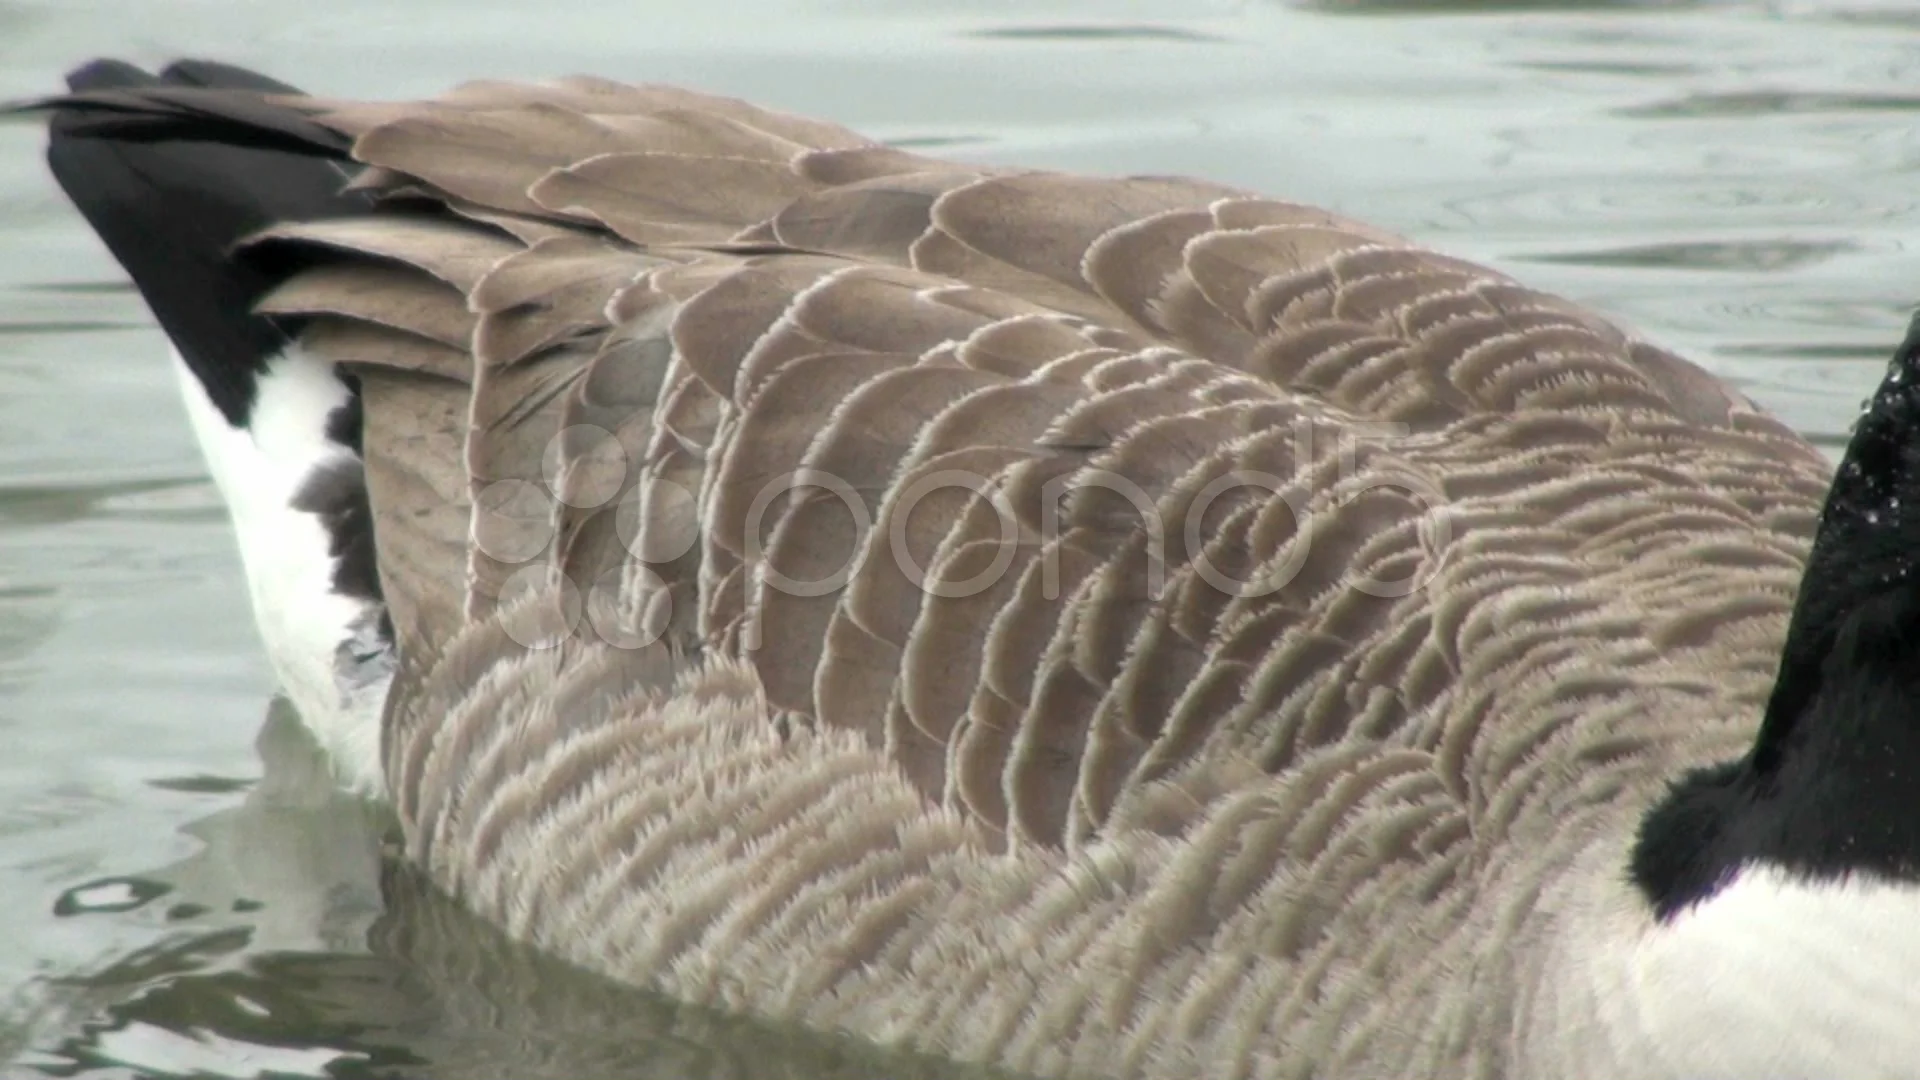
point(302, 621)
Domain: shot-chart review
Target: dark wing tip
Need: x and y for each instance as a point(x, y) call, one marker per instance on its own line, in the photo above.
point(172, 170)
point(106, 73)
point(197, 100)
point(216, 75)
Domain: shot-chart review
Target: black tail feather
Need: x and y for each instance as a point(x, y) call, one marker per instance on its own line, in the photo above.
point(211, 73)
point(172, 170)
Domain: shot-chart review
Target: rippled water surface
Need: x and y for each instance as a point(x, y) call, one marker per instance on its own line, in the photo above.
point(180, 894)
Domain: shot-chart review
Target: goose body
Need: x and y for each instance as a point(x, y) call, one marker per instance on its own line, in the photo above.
point(1095, 627)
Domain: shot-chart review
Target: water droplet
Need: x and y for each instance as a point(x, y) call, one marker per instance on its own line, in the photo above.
point(1873, 517)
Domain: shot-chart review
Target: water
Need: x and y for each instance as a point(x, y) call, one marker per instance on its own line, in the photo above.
point(179, 892)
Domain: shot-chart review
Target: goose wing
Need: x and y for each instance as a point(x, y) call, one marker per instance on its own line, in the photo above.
point(1050, 487)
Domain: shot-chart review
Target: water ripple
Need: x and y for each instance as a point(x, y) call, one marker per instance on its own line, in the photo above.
point(64, 326)
point(1600, 204)
point(1763, 256)
point(77, 288)
point(53, 504)
point(1770, 103)
point(1097, 32)
point(1626, 68)
point(1489, 7)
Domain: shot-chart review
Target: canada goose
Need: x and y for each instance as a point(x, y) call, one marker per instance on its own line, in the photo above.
point(1093, 627)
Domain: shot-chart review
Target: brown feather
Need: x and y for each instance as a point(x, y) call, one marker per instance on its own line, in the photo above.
point(1226, 583)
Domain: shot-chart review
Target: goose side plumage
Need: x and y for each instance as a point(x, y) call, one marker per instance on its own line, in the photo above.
point(1093, 627)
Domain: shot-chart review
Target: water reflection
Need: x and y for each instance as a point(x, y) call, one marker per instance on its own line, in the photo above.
point(294, 946)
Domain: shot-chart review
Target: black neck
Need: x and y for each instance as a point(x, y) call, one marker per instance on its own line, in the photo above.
point(1831, 787)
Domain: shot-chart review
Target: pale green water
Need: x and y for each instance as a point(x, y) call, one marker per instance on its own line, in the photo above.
point(1737, 179)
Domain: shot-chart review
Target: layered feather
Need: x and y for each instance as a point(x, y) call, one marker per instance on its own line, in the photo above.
point(1108, 626)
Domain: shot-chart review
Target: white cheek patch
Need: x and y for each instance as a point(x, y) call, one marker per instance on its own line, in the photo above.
point(325, 647)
